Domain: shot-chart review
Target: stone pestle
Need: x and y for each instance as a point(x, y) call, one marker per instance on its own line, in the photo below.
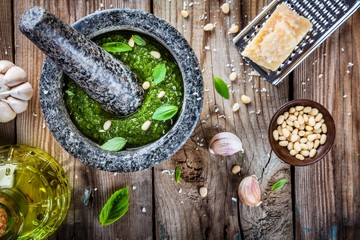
point(107, 80)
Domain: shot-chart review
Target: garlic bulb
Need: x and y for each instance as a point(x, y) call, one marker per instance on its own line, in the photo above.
point(225, 144)
point(14, 91)
point(249, 191)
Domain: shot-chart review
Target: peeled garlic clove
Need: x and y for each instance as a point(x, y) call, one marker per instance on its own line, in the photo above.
point(5, 65)
point(14, 76)
point(249, 191)
point(18, 106)
point(23, 91)
point(6, 113)
point(225, 144)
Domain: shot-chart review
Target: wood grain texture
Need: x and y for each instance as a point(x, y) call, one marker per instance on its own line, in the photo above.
point(82, 221)
point(326, 193)
point(183, 214)
point(7, 130)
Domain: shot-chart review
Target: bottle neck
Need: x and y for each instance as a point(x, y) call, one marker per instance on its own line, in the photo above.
point(13, 209)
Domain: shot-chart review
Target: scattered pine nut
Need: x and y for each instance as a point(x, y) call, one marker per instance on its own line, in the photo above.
point(236, 107)
point(225, 8)
point(146, 85)
point(245, 99)
point(184, 13)
point(234, 29)
point(203, 191)
point(155, 54)
point(146, 125)
point(233, 76)
point(236, 169)
point(209, 27)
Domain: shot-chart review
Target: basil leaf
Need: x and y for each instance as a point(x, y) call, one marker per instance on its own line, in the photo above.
point(69, 93)
point(221, 87)
point(115, 144)
point(279, 184)
point(116, 47)
point(165, 112)
point(138, 40)
point(177, 174)
point(159, 73)
point(115, 207)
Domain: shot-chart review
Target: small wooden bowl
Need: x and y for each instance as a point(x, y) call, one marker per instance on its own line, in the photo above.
point(283, 153)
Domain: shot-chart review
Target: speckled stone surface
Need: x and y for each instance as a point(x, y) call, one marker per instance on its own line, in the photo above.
point(59, 122)
point(105, 79)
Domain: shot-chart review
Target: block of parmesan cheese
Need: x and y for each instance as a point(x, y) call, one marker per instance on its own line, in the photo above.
point(278, 37)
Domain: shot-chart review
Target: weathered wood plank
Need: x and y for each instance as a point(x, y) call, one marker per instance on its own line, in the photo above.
point(82, 221)
point(326, 193)
point(181, 212)
point(7, 130)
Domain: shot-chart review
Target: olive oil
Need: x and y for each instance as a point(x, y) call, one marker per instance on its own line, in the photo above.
point(34, 192)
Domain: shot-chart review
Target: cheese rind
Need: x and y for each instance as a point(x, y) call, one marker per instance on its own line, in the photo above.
point(278, 37)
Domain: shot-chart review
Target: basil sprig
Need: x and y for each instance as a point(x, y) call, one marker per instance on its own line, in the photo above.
point(115, 207)
point(138, 40)
point(279, 184)
point(159, 73)
point(116, 47)
point(177, 174)
point(165, 112)
point(221, 87)
point(115, 144)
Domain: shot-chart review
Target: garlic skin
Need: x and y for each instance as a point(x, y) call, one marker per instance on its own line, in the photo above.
point(225, 144)
point(249, 191)
point(5, 65)
point(15, 76)
point(6, 113)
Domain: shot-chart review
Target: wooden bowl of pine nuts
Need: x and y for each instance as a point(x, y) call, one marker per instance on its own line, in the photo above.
point(301, 132)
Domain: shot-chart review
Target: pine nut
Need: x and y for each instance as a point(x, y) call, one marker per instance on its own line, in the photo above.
point(323, 139)
point(290, 128)
point(203, 191)
point(312, 153)
point(184, 13)
point(307, 109)
point(283, 143)
point(280, 131)
point(316, 143)
point(317, 130)
point(234, 29)
point(297, 124)
point(275, 134)
point(314, 112)
point(318, 117)
point(312, 137)
point(301, 120)
point(306, 118)
point(293, 152)
point(294, 138)
point(286, 115)
point(299, 108)
point(146, 125)
point(301, 133)
point(155, 54)
point(283, 125)
point(233, 76)
point(292, 110)
point(131, 42)
point(299, 156)
point(209, 27)
point(282, 138)
point(295, 131)
point(305, 153)
point(225, 8)
point(286, 132)
point(308, 128)
point(107, 125)
point(292, 118)
point(146, 85)
point(304, 146)
point(296, 114)
point(290, 146)
point(236, 107)
point(161, 94)
point(246, 100)
point(310, 144)
point(303, 140)
point(290, 123)
point(297, 146)
point(236, 169)
point(324, 128)
point(312, 121)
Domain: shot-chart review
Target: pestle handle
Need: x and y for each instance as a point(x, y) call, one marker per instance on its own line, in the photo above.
point(107, 80)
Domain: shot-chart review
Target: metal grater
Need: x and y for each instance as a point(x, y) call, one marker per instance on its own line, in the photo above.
point(325, 15)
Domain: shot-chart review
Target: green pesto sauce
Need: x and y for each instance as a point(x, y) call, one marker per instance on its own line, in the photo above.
point(89, 117)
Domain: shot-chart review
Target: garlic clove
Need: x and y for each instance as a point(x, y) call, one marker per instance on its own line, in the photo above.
point(225, 144)
point(5, 65)
point(22, 92)
point(18, 106)
point(15, 76)
point(249, 191)
point(3, 90)
point(6, 113)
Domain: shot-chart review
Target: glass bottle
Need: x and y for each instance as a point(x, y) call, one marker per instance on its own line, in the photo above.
point(34, 193)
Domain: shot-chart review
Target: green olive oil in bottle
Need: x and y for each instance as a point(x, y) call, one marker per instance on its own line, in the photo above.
point(34, 193)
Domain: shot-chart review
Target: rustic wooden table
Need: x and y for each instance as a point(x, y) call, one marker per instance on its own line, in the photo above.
point(320, 201)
